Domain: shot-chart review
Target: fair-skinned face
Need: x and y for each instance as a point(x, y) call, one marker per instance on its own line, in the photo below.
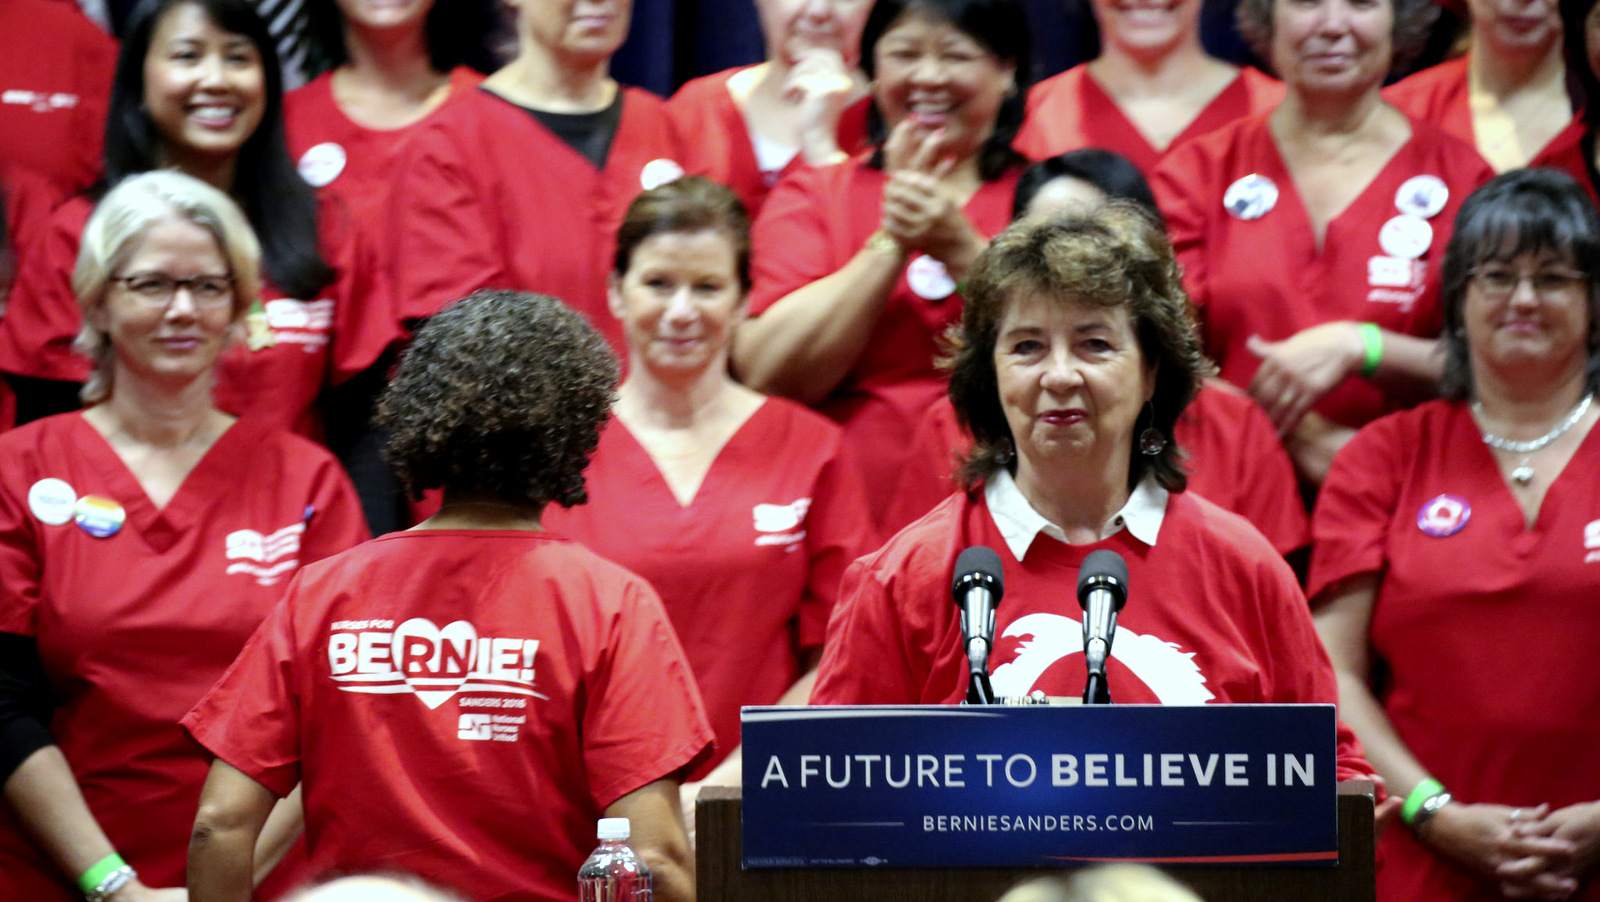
point(1072, 381)
point(794, 28)
point(204, 88)
point(585, 31)
point(1333, 46)
point(679, 302)
point(1517, 26)
point(939, 77)
point(380, 15)
point(1545, 326)
point(178, 341)
point(1146, 27)
point(1064, 195)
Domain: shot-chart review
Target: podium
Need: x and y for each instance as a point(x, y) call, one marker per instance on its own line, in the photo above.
point(721, 879)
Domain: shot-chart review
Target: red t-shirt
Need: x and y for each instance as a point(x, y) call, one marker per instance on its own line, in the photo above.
point(749, 569)
point(814, 222)
point(1072, 110)
point(487, 197)
point(1484, 626)
point(1441, 95)
point(1234, 460)
point(719, 145)
point(55, 80)
point(134, 627)
point(1213, 615)
point(279, 383)
point(1267, 276)
point(536, 685)
point(29, 198)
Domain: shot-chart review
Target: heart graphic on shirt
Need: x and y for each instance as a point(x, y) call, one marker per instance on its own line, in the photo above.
point(434, 662)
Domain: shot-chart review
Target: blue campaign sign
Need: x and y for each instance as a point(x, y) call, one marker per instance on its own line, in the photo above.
point(989, 786)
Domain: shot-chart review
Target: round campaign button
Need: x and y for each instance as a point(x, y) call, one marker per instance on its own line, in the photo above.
point(51, 501)
point(658, 172)
point(929, 279)
point(1444, 515)
point(1251, 197)
point(99, 517)
point(1422, 195)
point(1405, 236)
point(322, 163)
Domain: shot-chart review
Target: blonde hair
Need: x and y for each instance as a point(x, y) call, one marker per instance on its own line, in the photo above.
point(113, 232)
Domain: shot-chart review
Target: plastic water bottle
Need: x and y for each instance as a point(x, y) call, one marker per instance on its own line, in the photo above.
point(613, 873)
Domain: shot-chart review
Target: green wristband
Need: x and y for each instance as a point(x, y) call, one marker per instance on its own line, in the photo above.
point(90, 879)
point(1372, 338)
point(1425, 790)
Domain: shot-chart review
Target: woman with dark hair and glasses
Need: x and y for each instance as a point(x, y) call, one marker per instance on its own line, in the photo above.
point(858, 265)
point(1452, 568)
point(198, 89)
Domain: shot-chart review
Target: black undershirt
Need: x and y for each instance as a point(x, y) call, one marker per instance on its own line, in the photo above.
point(590, 134)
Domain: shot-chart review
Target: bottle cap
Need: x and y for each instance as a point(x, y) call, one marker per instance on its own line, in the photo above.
point(612, 828)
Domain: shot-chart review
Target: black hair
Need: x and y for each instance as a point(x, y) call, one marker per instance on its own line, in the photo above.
point(1001, 27)
point(281, 207)
point(1107, 170)
point(1581, 79)
point(458, 33)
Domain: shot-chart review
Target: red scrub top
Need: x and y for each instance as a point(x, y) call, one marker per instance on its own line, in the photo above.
point(134, 627)
point(719, 145)
point(56, 68)
point(279, 382)
point(1484, 626)
point(814, 222)
point(1233, 453)
point(1266, 275)
point(487, 197)
point(1565, 152)
point(1072, 110)
point(1213, 615)
point(749, 569)
point(524, 701)
point(1441, 95)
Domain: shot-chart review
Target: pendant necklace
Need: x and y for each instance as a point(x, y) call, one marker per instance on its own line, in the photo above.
point(1523, 474)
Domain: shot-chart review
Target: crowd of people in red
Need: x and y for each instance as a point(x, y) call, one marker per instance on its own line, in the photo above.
point(663, 407)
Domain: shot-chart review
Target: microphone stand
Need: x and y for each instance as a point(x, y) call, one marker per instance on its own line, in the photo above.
point(979, 692)
point(1096, 691)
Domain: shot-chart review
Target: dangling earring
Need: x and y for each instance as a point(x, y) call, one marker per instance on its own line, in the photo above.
point(1007, 454)
point(1151, 441)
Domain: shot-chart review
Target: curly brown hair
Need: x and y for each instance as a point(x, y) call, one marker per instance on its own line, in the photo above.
point(501, 394)
point(1113, 256)
point(1413, 21)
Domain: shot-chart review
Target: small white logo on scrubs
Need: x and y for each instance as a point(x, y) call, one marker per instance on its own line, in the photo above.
point(1251, 197)
point(1444, 515)
point(1422, 195)
point(658, 172)
point(322, 163)
point(929, 279)
point(51, 500)
point(262, 556)
point(1405, 236)
point(781, 524)
point(1392, 272)
point(1591, 541)
point(304, 323)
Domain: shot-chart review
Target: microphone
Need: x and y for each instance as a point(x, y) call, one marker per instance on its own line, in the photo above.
point(1102, 591)
point(977, 587)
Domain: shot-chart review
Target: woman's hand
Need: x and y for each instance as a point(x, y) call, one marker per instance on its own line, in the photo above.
point(1481, 838)
point(1297, 372)
point(134, 891)
point(1541, 874)
point(820, 87)
point(920, 212)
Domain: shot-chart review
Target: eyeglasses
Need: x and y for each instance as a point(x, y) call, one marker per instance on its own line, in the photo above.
point(1500, 282)
point(157, 289)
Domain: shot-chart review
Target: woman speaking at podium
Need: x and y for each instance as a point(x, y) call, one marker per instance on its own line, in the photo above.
point(1075, 357)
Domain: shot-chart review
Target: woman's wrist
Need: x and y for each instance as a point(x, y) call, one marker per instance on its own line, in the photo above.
point(105, 878)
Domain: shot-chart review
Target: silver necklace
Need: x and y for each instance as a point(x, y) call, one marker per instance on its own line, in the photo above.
point(1523, 474)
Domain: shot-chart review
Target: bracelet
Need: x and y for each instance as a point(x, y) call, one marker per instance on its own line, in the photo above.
point(1427, 789)
point(104, 877)
point(108, 887)
point(1372, 338)
point(880, 242)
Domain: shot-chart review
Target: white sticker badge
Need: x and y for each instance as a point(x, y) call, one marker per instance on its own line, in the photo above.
point(1251, 197)
point(322, 163)
point(1422, 195)
point(929, 279)
point(51, 500)
point(1390, 272)
point(658, 172)
point(1405, 236)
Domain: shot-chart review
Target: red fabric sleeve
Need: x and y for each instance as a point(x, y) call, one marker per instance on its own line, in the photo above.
point(365, 323)
point(251, 717)
point(838, 530)
point(19, 553)
point(336, 521)
point(864, 661)
point(1356, 505)
point(1272, 500)
point(41, 317)
point(788, 244)
point(1182, 186)
point(644, 720)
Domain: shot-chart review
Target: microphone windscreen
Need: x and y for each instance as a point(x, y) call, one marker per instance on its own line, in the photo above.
point(978, 561)
point(1100, 567)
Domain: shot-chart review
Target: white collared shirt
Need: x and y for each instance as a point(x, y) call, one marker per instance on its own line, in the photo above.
point(1019, 523)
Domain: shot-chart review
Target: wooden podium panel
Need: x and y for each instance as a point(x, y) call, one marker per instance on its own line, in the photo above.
point(720, 878)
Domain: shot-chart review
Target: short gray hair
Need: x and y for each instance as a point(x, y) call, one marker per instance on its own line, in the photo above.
point(120, 219)
point(1413, 21)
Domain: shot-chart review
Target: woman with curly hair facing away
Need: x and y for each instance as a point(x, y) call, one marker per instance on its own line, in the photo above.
point(1076, 357)
point(479, 690)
